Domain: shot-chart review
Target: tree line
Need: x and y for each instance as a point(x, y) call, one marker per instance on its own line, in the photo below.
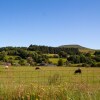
point(35, 55)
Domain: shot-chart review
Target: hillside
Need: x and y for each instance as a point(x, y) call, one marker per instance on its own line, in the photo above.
point(73, 46)
point(81, 48)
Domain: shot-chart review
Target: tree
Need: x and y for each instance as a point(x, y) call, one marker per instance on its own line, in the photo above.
point(82, 58)
point(2, 56)
point(97, 58)
point(88, 54)
point(74, 58)
point(31, 61)
point(97, 52)
point(60, 62)
point(23, 53)
point(62, 54)
point(22, 62)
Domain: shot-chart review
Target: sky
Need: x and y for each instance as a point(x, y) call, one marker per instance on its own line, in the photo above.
point(50, 22)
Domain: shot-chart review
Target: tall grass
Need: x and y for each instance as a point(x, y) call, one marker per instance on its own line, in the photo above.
point(63, 91)
point(49, 83)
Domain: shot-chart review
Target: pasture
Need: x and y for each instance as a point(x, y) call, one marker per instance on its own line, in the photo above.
point(55, 60)
point(49, 83)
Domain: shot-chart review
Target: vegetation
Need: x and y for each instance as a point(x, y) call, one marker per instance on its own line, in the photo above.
point(56, 83)
point(60, 62)
point(55, 60)
point(46, 83)
point(44, 55)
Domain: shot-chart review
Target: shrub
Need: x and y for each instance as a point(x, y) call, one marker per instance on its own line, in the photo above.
point(85, 65)
point(60, 62)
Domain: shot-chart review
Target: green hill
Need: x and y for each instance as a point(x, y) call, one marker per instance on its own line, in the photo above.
point(81, 48)
point(73, 46)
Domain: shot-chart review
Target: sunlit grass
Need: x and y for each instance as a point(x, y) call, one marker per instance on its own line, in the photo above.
point(56, 83)
point(55, 60)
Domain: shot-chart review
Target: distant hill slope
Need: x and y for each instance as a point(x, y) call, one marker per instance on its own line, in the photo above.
point(73, 46)
point(81, 48)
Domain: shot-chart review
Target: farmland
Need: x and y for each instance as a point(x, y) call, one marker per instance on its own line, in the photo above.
point(56, 83)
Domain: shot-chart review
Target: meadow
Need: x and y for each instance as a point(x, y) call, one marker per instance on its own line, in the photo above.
point(49, 83)
point(55, 60)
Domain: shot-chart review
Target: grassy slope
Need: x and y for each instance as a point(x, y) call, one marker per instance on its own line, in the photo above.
point(81, 48)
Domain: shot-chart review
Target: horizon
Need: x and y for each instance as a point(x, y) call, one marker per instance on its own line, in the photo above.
point(50, 23)
point(54, 46)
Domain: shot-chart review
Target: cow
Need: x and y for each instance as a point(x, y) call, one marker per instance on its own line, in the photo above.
point(78, 71)
point(36, 68)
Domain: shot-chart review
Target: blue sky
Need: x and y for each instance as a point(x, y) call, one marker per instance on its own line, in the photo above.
point(50, 22)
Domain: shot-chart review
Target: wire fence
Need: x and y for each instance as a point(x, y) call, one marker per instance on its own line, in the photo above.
point(49, 77)
point(44, 84)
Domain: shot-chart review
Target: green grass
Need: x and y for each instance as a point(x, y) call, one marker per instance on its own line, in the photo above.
point(55, 60)
point(56, 83)
point(50, 55)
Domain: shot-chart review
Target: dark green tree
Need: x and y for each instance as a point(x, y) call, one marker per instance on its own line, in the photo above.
point(60, 62)
point(62, 54)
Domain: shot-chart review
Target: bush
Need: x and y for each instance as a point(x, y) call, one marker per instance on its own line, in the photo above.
point(95, 65)
point(22, 62)
point(85, 65)
point(60, 62)
point(18, 58)
point(98, 64)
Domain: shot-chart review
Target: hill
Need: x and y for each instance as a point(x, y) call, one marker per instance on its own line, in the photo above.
point(81, 48)
point(73, 46)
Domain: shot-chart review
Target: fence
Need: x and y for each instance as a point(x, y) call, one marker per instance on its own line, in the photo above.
point(49, 76)
point(15, 78)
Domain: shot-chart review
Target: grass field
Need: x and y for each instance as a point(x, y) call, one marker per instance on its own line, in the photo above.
point(49, 83)
point(55, 60)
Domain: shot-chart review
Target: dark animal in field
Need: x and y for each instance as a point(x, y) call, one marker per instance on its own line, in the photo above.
point(78, 71)
point(37, 68)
